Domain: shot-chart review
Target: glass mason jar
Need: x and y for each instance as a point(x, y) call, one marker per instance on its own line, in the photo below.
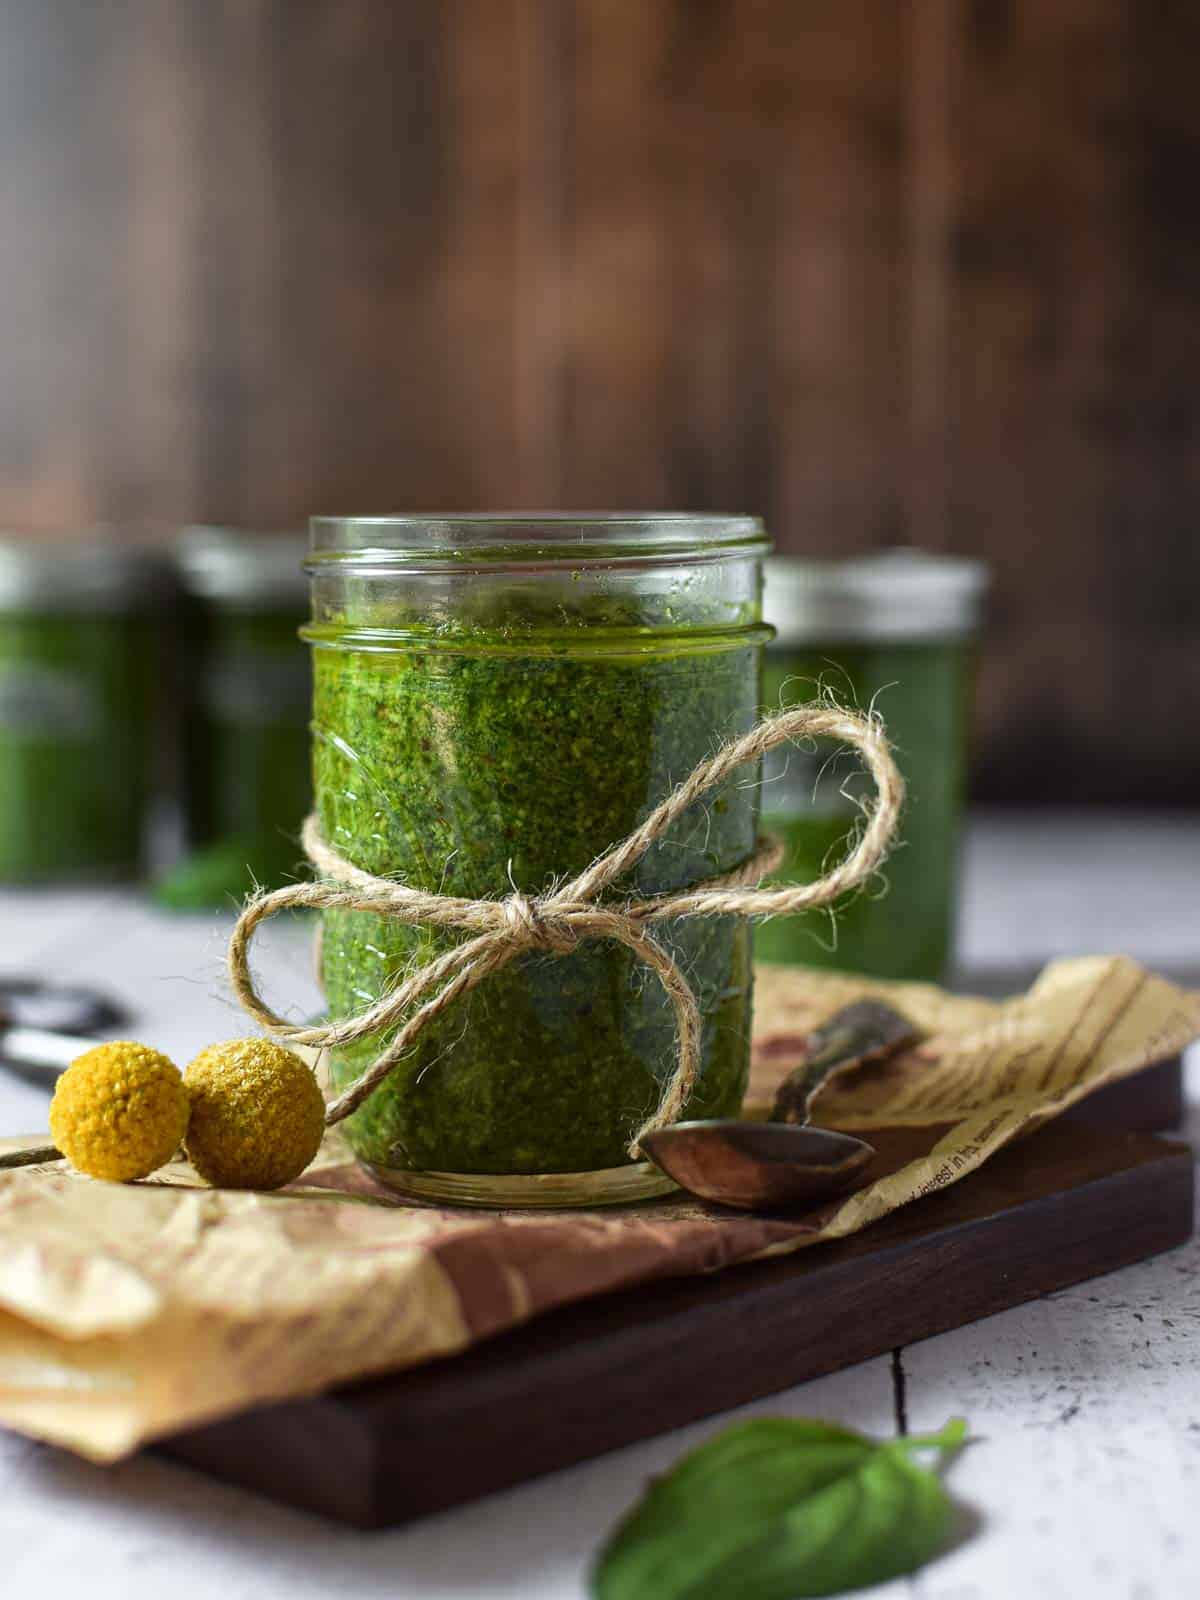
point(77, 675)
point(897, 631)
point(245, 748)
point(496, 701)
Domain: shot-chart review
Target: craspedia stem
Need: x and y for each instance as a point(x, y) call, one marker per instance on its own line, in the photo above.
point(33, 1157)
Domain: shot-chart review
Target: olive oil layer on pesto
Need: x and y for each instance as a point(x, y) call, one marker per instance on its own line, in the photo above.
point(472, 770)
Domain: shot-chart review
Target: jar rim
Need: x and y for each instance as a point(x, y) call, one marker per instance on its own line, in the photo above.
point(74, 574)
point(886, 595)
point(438, 538)
point(243, 566)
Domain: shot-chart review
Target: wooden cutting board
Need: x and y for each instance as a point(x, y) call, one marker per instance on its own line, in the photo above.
point(1070, 1202)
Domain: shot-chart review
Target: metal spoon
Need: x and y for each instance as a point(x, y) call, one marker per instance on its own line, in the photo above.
point(40, 1054)
point(43, 1026)
point(62, 1007)
point(786, 1164)
point(758, 1166)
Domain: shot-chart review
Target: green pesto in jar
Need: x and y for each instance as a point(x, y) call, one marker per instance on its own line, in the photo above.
point(810, 801)
point(74, 743)
point(513, 750)
point(246, 785)
point(78, 648)
point(894, 631)
point(247, 765)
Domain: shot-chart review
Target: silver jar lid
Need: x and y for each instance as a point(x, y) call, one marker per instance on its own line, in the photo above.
point(242, 567)
point(69, 575)
point(893, 595)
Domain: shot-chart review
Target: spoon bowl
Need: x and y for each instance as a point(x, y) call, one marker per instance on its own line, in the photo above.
point(758, 1166)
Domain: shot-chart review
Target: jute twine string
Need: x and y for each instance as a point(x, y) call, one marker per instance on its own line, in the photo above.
point(556, 923)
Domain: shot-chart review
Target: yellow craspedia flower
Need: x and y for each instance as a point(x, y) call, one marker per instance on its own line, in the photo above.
point(257, 1114)
point(119, 1111)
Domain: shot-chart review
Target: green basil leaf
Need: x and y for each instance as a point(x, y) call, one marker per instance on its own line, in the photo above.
point(777, 1509)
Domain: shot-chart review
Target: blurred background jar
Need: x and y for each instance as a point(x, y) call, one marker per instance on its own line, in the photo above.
point(78, 671)
point(896, 631)
point(244, 762)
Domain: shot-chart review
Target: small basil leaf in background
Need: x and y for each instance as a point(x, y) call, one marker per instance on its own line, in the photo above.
point(777, 1509)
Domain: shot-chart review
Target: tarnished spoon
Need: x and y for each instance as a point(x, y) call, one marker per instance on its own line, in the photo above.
point(758, 1166)
point(39, 1053)
point(43, 1026)
point(786, 1164)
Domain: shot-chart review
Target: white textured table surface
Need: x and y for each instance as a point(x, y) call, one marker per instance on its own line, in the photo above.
point(1085, 1477)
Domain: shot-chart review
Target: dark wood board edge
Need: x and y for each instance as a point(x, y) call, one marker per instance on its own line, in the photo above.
point(1151, 1101)
point(1064, 1206)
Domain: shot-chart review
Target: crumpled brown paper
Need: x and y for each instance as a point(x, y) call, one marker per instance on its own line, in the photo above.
point(128, 1312)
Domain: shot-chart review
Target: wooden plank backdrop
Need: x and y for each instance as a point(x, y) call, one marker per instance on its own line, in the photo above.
point(876, 269)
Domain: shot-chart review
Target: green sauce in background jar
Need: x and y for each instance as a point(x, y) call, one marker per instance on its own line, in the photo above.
point(244, 741)
point(896, 630)
point(77, 674)
point(496, 702)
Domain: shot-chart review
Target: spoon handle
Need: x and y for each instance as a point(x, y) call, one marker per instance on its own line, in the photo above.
point(866, 1030)
point(40, 1053)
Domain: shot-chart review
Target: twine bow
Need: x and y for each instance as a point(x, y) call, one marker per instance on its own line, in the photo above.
point(557, 922)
